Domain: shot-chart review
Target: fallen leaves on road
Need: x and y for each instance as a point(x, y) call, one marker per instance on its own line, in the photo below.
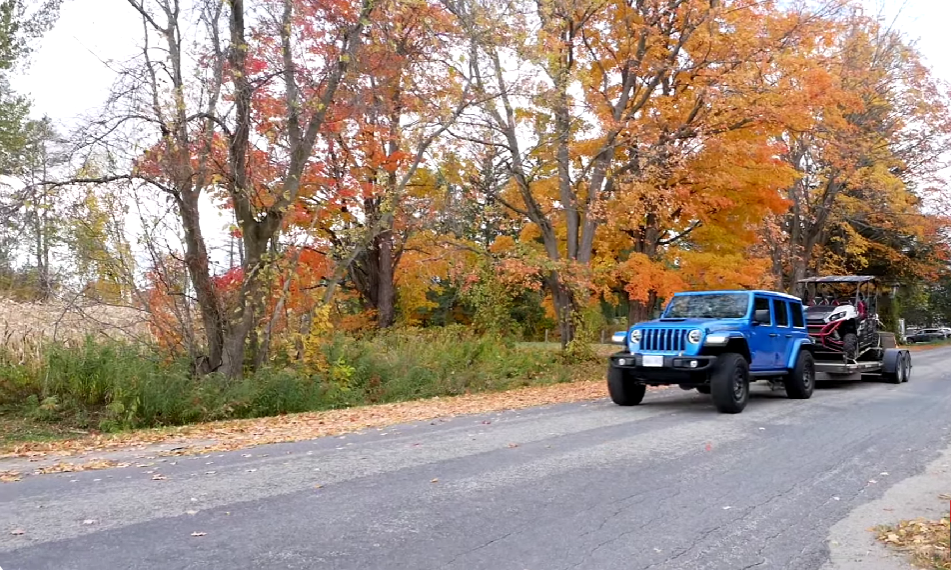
point(239, 434)
point(10, 476)
point(91, 465)
point(199, 533)
point(926, 542)
point(17, 532)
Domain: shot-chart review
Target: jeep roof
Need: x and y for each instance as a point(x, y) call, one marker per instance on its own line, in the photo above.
point(839, 279)
point(743, 292)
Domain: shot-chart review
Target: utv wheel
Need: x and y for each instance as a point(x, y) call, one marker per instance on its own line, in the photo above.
point(850, 346)
point(623, 390)
point(802, 381)
point(703, 389)
point(730, 383)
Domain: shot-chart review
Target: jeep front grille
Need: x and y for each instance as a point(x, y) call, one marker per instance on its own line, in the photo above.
point(664, 340)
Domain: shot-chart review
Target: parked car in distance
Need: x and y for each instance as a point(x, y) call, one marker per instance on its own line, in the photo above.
point(927, 335)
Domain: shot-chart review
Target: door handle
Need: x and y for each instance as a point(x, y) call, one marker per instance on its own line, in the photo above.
point(773, 335)
point(788, 336)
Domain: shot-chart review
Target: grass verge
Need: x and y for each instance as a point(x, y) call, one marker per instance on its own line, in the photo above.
point(110, 396)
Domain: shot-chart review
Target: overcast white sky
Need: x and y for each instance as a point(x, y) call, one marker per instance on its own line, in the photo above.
point(70, 74)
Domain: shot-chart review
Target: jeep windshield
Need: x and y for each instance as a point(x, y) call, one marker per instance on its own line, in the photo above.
point(712, 306)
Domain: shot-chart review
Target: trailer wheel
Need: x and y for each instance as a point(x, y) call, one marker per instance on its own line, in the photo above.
point(906, 363)
point(623, 391)
point(802, 381)
point(730, 383)
point(898, 376)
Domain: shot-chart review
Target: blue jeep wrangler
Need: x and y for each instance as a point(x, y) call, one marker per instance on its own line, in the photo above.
point(717, 342)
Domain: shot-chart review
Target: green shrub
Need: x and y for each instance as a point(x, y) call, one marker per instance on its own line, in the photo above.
point(112, 385)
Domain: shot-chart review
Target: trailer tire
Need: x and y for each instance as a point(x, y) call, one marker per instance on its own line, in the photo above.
point(730, 383)
point(898, 376)
point(623, 391)
point(802, 381)
point(907, 361)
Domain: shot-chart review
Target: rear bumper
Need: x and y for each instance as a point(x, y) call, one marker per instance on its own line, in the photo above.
point(676, 369)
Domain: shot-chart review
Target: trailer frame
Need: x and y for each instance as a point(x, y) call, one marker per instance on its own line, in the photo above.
point(886, 362)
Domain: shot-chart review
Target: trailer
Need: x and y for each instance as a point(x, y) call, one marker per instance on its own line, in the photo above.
point(885, 362)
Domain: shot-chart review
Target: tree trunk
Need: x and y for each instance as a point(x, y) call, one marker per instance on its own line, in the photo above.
point(386, 288)
point(640, 311)
point(565, 308)
point(196, 259)
point(372, 274)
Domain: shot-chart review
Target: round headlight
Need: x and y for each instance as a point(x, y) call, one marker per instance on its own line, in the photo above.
point(635, 336)
point(693, 337)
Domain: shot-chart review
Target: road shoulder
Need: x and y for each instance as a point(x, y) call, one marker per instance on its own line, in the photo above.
point(851, 544)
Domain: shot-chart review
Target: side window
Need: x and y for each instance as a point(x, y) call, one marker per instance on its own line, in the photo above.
point(782, 315)
point(761, 311)
point(797, 318)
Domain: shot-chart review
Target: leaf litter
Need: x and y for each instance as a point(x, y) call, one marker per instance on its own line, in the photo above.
point(926, 542)
point(10, 476)
point(230, 435)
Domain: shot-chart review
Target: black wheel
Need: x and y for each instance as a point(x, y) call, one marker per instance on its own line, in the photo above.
point(730, 383)
point(703, 389)
point(802, 381)
point(623, 390)
point(850, 345)
point(907, 361)
point(898, 376)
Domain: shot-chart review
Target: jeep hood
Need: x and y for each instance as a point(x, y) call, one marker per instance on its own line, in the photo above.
point(708, 325)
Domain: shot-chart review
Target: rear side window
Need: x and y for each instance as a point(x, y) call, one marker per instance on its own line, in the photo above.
point(782, 315)
point(797, 318)
point(761, 311)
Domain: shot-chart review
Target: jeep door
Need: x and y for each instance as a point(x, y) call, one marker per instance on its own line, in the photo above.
point(763, 336)
point(784, 338)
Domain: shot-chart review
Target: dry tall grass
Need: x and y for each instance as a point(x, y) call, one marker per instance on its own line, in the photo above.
point(26, 327)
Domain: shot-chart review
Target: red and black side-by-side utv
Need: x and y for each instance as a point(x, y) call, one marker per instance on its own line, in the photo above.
point(842, 314)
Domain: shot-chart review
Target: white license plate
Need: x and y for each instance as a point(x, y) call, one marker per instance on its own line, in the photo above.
point(653, 361)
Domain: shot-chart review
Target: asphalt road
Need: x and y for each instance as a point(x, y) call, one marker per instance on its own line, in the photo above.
point(667, 485)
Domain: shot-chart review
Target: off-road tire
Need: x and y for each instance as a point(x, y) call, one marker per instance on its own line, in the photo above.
point(623, 390)
point(802, 381)
point(730, 383)
point(850, 345)
point(703, 389)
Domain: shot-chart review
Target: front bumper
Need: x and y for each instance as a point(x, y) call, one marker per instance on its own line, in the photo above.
point(675, 370)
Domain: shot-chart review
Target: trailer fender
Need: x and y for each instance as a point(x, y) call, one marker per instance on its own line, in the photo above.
point(890, 361)
point(798, 345)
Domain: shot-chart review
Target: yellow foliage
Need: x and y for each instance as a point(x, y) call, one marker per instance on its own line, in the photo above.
point(321, 328)
point(502, 244)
